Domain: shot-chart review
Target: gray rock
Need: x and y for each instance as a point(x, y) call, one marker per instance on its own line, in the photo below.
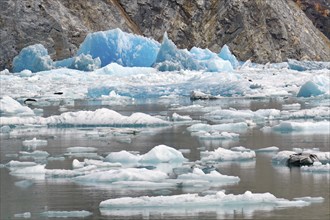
point(260, 30)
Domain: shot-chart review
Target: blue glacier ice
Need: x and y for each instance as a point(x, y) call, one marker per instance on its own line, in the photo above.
point(34, 58)
point(317, 86)
point(307, 65)
point(170, 58)
point(120, 47)
point(85, 63)
point(226, 54)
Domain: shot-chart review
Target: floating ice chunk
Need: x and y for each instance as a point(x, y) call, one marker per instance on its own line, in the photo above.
point(214, 177)
point(317, 167)
point(222, 154)
point(240, 149)
point(306, 127)
point(316, 113)
point(24, 184)
point(198, 95)
point(162, 154)
point(294, 106)
point(34, 143)
point(9, 106)
point(177, 117)
point(234, 127)
point(267, 149)
point(226, 54)
point(310, 199)
point(123, 157)
point(76, 164)
point(128, 174)
point(172, 204)
point(85, 63)
point(101, 116)
point(100, 164)
point(18, 164)
point(318, 85)
point(67, 214)
point(23, 215)
point(216, 135)
point(307, 65)
point(81, 149)
point(120, 47)
point(37, 169)
point(34, 58)
point(35, 154)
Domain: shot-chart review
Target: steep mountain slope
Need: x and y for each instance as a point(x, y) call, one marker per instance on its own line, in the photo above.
point(261, 30)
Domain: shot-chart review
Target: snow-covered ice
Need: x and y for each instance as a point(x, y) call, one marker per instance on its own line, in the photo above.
point(10, 107)
point(222, 154)
point(195, 203)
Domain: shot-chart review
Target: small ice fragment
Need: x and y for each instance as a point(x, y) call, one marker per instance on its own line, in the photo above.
point(67, 214)
point(23, 215)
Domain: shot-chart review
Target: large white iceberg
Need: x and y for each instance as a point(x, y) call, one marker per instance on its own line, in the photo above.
point(194, 203)
point(120, 47)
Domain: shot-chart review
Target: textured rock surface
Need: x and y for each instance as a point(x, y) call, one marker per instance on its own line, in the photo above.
point(261, 30)
point(318, 11)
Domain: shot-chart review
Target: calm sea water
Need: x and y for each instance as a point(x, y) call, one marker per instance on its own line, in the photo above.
point(258, 176)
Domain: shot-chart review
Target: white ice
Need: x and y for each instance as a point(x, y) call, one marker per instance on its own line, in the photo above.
point(101, 116)
point(222, 154)
point(67, 214)
point(319, 127)
point(34, 143)
point(317, 167)
point(11, 107)
point(193, 203)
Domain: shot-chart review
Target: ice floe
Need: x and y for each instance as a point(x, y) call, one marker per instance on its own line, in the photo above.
point(194, 203)
point(229, 127)
point(317, 167)
point(222, 154)
point(319, 127)
point(67, 214)
point(34, 143)
point(23, 215)
point(11, 107)
point(103, 116)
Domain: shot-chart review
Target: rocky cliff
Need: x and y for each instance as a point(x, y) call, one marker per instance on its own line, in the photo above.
point(261, 30)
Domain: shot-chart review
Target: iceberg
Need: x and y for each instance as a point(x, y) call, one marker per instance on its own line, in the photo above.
point(23, 215)
point(34, 143)
point(194, 203)
point(319, 127)
point(9, 107)
point(222, 154)
point(34, 58)
point(229, 127)
point(317, 167)
point(158, 154)
point(318, 85)
point(85, 63)
point(214, 177)
point(162, 154)
point(170, 58)
point(99, 117)
point(116, 46)
point(128, 174)
point(226, 54)
point(307, 65)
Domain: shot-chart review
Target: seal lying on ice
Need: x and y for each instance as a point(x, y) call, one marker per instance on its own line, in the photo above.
point(302, 159)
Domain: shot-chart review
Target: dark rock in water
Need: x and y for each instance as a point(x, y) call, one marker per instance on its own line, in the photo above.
point(28, 101)
point(58, 93)
point(302, 159)
point(260, 30)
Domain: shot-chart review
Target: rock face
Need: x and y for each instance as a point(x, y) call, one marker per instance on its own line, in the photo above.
point(260, 30)
point(318, 11)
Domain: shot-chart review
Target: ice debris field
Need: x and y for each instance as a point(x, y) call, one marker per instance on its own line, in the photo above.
point(114, 68)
